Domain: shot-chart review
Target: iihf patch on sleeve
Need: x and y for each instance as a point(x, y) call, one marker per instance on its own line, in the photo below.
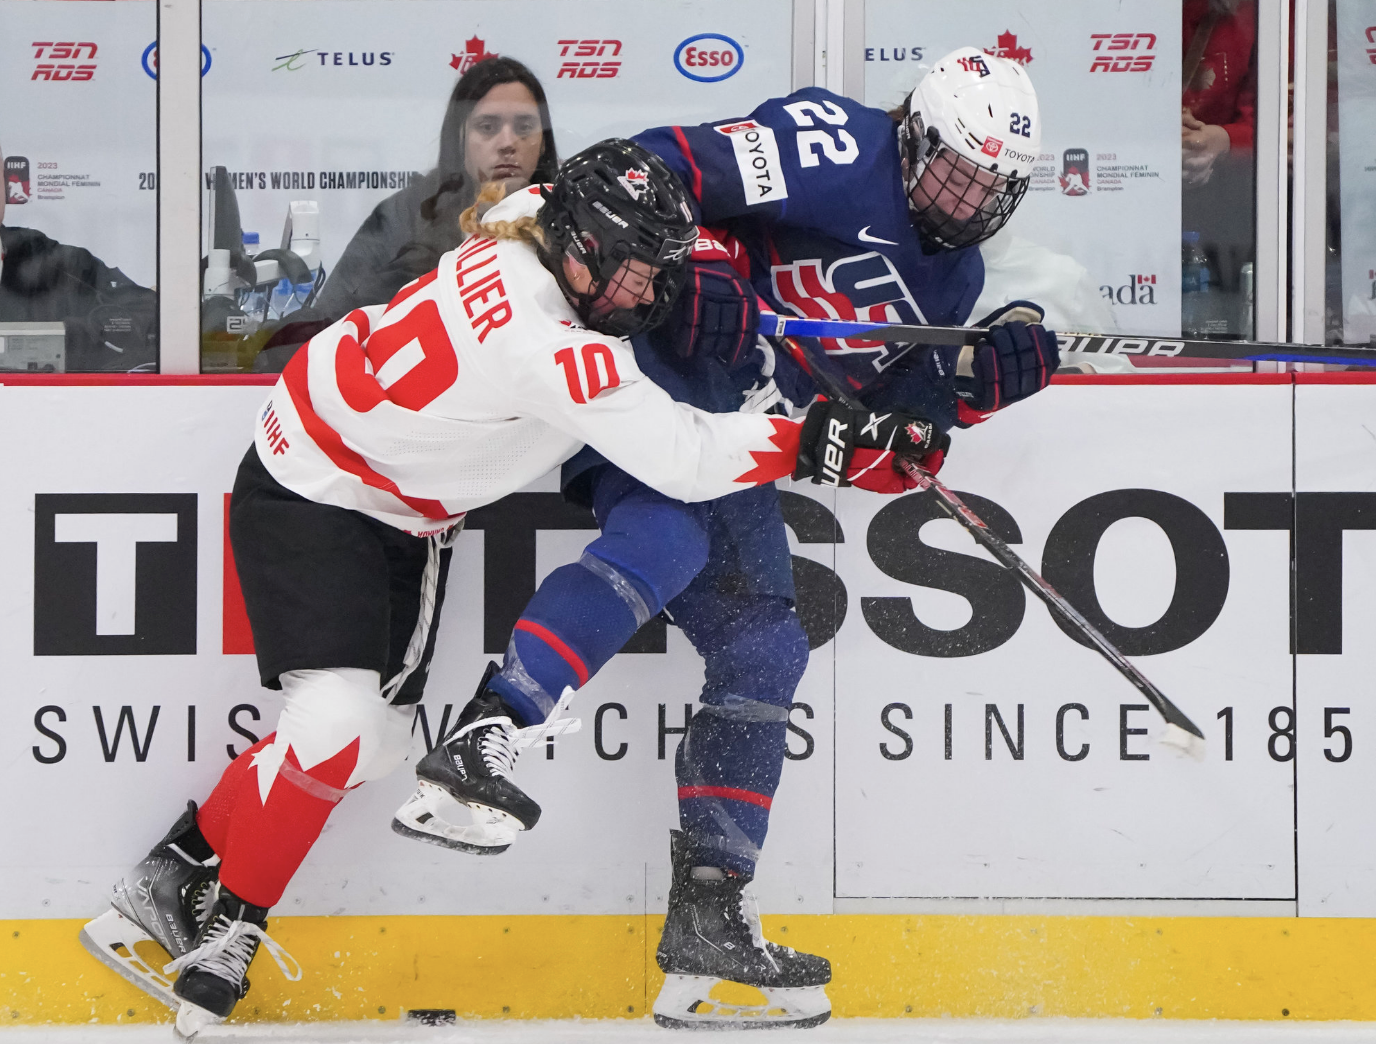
point(757, 157)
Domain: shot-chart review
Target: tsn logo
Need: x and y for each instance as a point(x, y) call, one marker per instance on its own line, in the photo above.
point(1115, 44)
point(596, 70)
point(55, 52)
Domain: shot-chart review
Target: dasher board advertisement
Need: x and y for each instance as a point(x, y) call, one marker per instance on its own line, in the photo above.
point(949, 741)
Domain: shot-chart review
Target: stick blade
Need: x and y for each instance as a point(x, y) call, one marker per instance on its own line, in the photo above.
point(1186, 743)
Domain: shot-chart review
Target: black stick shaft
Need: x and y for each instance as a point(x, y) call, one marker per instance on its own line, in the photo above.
point(957, 509)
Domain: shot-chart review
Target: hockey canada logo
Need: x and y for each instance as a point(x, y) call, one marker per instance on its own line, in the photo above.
point(114, 574)
point(17, 188)
point(1074, 177)
point(474, 51)
point(635, 182)
point(1008, 48)
point(71, 60)
point(583, 69)
point(1123, 52)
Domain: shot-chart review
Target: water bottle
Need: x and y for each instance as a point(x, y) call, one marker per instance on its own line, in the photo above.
point(1195, 280)
point(254, 300)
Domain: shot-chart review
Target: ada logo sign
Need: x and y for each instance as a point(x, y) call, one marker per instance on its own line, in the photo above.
point(709, 57)
point(114, 574)
point(1138, 290)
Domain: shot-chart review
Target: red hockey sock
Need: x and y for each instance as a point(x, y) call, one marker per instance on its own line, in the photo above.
point(213, 816)
point(263, 844)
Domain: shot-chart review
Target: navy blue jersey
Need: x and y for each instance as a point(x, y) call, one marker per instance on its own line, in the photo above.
point(811, 184)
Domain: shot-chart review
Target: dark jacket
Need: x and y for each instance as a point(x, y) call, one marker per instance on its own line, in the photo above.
point(111, 321)
point(396, 243)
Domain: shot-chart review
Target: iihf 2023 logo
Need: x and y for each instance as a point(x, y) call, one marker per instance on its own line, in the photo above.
point(1074, 176)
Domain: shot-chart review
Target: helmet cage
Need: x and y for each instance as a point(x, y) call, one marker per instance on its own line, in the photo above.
point(591, 219)
point(948, 180)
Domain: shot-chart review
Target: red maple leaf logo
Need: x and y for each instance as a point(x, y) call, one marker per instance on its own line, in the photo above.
point(776, 463)
point(475, 51)
point(1008, 48)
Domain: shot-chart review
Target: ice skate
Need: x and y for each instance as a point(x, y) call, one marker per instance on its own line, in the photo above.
point(712, 940)
point(164, 900)
point(467, 775)
point(213, 974)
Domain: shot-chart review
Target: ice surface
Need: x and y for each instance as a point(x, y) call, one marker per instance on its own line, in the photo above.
point(643, 1031)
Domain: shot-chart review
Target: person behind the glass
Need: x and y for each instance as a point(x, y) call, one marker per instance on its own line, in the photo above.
point(366, 457)
point(496, 128)
point(109, 320)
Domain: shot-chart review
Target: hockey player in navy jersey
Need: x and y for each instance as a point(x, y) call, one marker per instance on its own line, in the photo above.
point(822, 207)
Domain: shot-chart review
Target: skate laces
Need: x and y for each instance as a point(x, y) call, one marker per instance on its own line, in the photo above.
point(498, 749)
point(228, 950)
point(750, 914)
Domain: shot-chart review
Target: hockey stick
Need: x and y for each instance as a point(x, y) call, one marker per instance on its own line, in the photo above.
point(773, 325)
point(1180, 732)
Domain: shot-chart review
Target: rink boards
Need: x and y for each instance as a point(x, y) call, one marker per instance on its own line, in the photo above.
point(976, 818)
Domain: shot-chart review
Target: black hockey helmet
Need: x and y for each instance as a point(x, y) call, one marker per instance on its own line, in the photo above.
point(611, 204)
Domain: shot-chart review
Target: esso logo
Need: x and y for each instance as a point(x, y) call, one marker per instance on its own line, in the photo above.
point(709, 57)
point(150, 60)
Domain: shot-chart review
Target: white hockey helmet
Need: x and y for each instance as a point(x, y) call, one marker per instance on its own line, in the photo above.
point(970, 135)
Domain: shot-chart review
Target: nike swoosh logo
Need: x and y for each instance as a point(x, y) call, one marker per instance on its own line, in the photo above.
point(865, 237)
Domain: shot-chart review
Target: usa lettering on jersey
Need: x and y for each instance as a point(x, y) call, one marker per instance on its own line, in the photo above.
point(757, 158)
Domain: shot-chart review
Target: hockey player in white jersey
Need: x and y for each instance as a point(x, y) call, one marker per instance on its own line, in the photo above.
point(382, 432)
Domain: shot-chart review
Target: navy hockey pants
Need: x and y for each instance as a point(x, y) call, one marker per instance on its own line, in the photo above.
point(722, 573)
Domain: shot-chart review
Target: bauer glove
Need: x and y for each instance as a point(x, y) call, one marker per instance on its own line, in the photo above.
point(839, 445)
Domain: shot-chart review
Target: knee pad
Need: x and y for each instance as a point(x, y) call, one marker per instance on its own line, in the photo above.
point(327, 711)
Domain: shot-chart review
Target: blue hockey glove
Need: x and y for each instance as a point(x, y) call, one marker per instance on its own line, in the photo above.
point(716, 315)
point(1016, 360)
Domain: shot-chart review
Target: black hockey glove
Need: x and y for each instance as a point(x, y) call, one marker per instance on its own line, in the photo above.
point(1015, 361)
point(716, 315)
point(832, 433)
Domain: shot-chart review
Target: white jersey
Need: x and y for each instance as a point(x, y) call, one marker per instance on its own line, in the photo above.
point(476, 380)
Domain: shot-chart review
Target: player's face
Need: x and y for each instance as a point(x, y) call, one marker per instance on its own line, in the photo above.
point(503, 135)
point(955, 186)
point(633, 284)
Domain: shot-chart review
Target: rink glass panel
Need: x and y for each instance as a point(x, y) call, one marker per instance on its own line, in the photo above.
point(79, 139)
point(1350, 229)
point(342, 102)
point(1107, 189)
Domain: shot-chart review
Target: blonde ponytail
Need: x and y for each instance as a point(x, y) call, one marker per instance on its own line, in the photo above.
point(523, 230)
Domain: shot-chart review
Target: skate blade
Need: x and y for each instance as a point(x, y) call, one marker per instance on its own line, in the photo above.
point(112, 939)
point(696, 1002)
point(191, 1019)
point(426, 817)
